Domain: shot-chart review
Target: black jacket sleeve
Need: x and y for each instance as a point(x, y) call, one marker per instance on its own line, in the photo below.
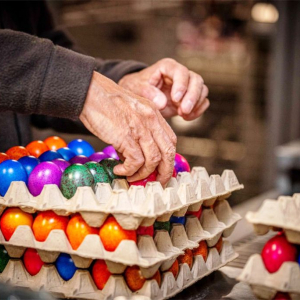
point(38, 77)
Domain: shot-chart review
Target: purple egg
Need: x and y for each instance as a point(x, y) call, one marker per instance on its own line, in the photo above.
point(111, 152)
point(98, 156)
point(45, 173)
point(79, 159)
point(61, 163)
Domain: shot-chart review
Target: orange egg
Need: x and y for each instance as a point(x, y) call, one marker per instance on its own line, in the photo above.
point(78, 229)
point(11, 219)
point(174, 269)
point(55, 142)
point(201, 250)
point(100, 273)
point(187, 258)
point(47, 221)
point(219, 245)
point(17, 152)
point(3, 157)
point(36, 148)
point(111, 234)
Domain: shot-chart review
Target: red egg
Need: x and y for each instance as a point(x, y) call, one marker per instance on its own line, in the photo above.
point(143, 182)
point(100, 273)
point(47, 221)
point(55, 142)
point(187, 258)
point(174, 173)
point(3, 157)
point(17, 152)
point(196, 213)
point(32, 261)
point(277, 251)
point(11, 219)
point(145, 230)
point(282, 296)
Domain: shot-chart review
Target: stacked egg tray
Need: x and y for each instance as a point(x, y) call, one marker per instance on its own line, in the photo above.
point(283, 214)
point(132, 207)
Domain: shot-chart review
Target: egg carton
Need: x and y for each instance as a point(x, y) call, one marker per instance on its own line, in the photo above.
point(283, 213)
point(132, 207)
point(265, 285)
point(82, 286)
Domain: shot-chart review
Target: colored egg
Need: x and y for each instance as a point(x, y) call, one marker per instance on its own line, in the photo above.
point(11, 170)
point(100, 273)
point(36, 148)
point(55, 142)
point(11, 219)
point(77, 230)
point(181, 164)
point(186, 258)
point(81, 147)
point(219, 244)
point(145, 230)
point(45, 173)
point(98, 172)
point(73, 177)
point(111, 152)
point(65, 266)
point(17, 152)
point(109, 164)
point(98, 156)
point(49, 156)
point(178, 220)
point(45, 222)
point(4, 258)
point(61, 163)
point(32, 261)
point(174, 269)
point(174, 174)
point(3, 157)
point(282, 296)
point(162, 226)
point(79, 159)
point(143, 182)
point(66, 153)
point(277, 251)
point(196, 213)
point(29, 163)
point(202, 250)
point(111, 234)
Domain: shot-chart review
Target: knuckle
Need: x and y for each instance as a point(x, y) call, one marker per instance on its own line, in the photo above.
point(174, 139)
point(155, 158)
point(169, 60)
point(170, 152)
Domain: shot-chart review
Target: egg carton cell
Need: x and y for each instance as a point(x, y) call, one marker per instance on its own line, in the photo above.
point(132, 206)
point(266, 285)
point(283, 213)
point(82, 286)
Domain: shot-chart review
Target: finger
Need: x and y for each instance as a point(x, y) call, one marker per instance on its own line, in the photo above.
point(155, 95)
point(192, 96)
point(156, 79)
point(198, 111)
point(204, 93)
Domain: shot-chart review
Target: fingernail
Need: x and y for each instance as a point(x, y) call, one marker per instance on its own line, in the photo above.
point(178, 96)
point(187, 106)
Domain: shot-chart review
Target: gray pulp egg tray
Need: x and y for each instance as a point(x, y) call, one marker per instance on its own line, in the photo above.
point(81, 286)
point(283, 213)
point(148, 253)
point(132, 207)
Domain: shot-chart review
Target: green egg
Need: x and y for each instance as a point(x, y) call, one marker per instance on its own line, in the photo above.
point(98, 172)
point(73, 177)
point(4, 258)
point(109, 164)
point(162, 226)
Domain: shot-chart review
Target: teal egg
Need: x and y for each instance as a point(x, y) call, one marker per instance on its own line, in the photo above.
point(162, 226)
point(108, 165)
point(4, 258)
point(73, 177)
point(98, 171)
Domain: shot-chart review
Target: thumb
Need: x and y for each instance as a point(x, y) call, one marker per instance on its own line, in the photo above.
point(155, 95)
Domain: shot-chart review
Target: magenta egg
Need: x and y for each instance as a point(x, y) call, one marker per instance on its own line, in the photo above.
point(98, 156)
point(79, 159)
point(111, 152)
point(277, 251)
point(181, 164)
point(61, 163)
point(44, 173)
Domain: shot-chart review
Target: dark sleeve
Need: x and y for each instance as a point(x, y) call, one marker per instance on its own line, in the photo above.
point(38, 77)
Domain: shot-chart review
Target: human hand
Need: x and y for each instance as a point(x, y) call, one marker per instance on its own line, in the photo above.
point(172, 87)
point(135, 128)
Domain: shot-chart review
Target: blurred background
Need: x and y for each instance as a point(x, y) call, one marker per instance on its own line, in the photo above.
point(247, 53)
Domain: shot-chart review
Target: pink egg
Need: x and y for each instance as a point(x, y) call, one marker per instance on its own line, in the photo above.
point(111, 152)
point(98, 156)
point(79, 159)
point(143, 182)
point(181, 164)
point(44, 173)
point(61, 163)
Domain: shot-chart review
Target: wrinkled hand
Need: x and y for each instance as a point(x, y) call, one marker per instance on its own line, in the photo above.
point(134, 126)
point(172, 87)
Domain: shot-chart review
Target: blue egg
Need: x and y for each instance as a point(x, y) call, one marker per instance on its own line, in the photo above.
point(65, 266)
point(66, 153)
point(29, 163)
point(178, 220)
point(11, 170)
point(49, 155)
point(298, 256)
point(81, 147)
